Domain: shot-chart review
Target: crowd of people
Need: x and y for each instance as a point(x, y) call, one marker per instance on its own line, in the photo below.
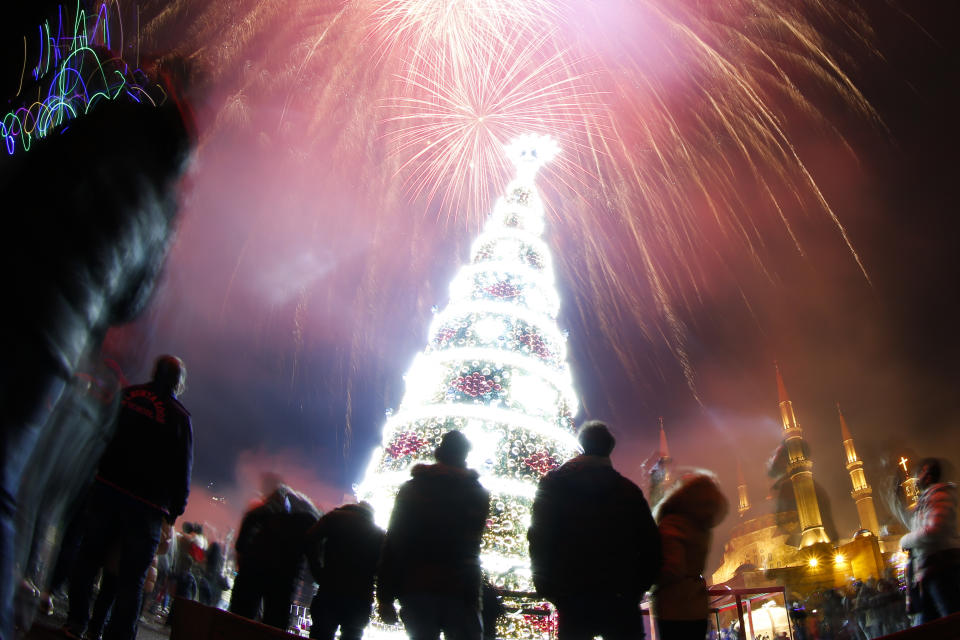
point(596, 547)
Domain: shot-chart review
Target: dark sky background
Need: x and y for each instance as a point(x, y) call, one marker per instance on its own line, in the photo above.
point(296, 345)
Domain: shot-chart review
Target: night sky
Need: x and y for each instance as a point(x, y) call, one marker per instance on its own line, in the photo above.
point(301, 282)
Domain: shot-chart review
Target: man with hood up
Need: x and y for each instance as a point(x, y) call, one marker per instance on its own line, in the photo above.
point(685, 516)
point(594, 547)
point(934, 543)
point(431, 555)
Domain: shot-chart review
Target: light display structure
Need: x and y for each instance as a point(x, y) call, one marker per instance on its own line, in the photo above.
point(494, 368)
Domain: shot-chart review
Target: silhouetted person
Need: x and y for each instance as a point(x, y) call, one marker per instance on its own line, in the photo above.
point(212, 581)
point(431, 556)
point(270, 552)
point(934, 543)
point(688, 512)
point(343, 550)
point(594, 547)
point(130, 499)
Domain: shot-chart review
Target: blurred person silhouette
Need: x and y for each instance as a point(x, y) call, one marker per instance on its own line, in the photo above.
point(212, 582)
point(271, 548)
point(431, 555)
point(130, 499)
point(343, 551)
point(491, 608)
point(685, 516)
point(594, 546)
point(84, 259)
point(934, 543)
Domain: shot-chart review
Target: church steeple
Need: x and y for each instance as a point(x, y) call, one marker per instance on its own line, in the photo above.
point(862, 494)
point(744, 505)
point(800, 470)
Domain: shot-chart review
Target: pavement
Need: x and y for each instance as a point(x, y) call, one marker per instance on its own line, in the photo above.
point(48, 627)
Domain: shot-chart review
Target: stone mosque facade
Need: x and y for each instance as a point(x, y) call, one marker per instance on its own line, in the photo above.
point(785, 542)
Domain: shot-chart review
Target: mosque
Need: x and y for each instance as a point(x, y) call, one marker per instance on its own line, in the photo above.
point(783, 540)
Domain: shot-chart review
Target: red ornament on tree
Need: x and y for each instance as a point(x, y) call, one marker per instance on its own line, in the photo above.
point(476, 384)
point(444, 335)
point(405, 444)
point(536, 344)
point(502, 290)
point(541, 462)
point(544, 621)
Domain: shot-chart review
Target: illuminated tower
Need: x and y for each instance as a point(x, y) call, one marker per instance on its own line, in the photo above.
point(744, 502)
point(909, 484)
point(660, 473)
point(664, 449)
point(800, 469)
point(494, 368)
point(862, 494)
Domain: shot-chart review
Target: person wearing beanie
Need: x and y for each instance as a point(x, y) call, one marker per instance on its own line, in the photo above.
point(431, 555)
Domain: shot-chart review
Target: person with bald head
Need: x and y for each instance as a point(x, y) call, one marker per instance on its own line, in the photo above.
point(142, 479)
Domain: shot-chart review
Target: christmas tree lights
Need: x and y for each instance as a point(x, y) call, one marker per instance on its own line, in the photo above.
point(495, 368)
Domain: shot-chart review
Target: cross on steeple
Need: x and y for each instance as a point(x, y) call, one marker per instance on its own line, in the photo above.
point(903, 463)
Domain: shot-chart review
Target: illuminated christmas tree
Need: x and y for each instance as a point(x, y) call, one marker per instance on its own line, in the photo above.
point(495, 368)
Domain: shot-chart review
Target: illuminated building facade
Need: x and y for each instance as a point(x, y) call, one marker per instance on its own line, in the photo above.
point(862, 494)
point(801, 472)
point(790, 547)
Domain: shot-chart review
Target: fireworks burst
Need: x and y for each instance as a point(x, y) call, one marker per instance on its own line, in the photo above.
point(450, 129)
point(454, 31)
point(677, 158)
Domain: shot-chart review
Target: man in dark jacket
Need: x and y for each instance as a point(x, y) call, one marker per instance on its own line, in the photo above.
point(431, 556)
point(594, 546)
point(131, 498)
point(343, 550)
point(270, 553)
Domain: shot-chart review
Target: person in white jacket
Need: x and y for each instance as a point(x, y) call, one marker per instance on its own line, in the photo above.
point(934, 543)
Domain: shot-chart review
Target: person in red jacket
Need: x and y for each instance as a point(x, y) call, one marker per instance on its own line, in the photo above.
point(130, 500)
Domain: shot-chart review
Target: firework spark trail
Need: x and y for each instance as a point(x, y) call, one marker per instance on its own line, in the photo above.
point(683, 162)
point(451, 129)
point(453, 32)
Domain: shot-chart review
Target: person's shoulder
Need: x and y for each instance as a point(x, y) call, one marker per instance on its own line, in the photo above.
point(179, 407)
point(941, 492)
point(444, 472)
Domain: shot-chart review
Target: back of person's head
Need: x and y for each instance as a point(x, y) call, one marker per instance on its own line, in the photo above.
point(187, 528)
point(453, 449)
point(170, 374)
point(934, 469)
point(365, 506)
point(596, 439)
